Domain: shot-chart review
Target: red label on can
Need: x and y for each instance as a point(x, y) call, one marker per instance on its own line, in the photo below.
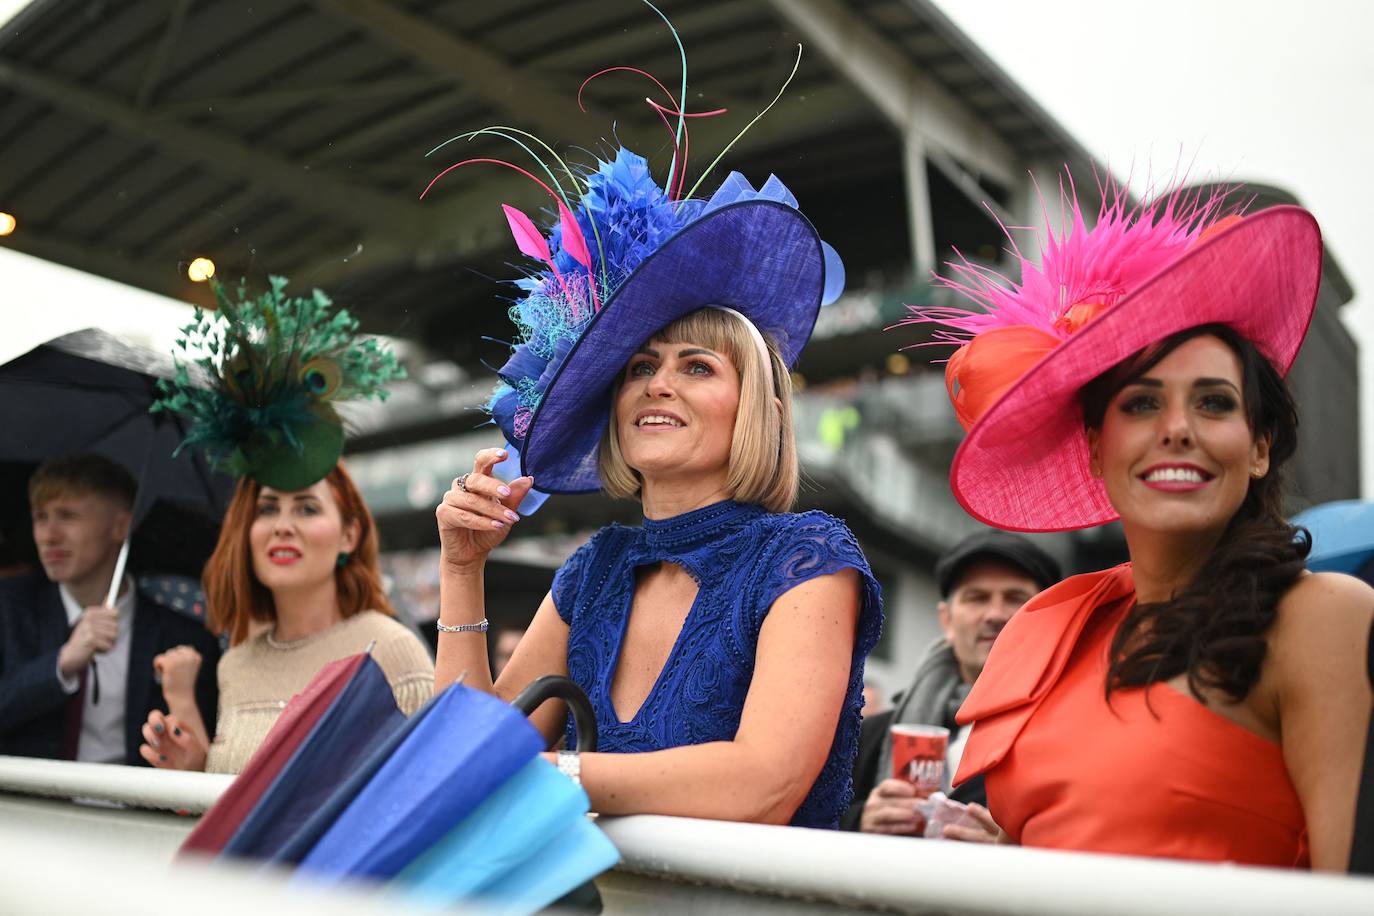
point(918, 756)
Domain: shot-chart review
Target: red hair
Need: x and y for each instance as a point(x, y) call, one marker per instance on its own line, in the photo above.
point(236, 597)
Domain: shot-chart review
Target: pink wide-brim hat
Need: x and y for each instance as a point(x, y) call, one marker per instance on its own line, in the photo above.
point(1024, 465)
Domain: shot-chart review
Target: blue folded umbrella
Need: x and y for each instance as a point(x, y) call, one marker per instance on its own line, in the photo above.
point(573, 856)
point(500, 843)
point(303, 839)
point(1342, 535)
point(463, 750)
point(361, 718)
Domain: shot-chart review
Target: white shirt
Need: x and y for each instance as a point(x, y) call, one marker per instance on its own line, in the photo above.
point(102, 724)
point(954, 752)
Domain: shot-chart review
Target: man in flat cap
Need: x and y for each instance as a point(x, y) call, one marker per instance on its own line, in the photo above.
point(983, 581)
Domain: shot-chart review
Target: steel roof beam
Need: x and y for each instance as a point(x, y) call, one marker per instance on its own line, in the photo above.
point(469, 223)
point(910, 100)
point(289, 98)
point(471, 65)
point(648, 30)
point(157, 63)
point(220, 153)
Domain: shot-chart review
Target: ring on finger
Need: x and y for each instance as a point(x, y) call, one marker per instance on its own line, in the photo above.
point(462, 483)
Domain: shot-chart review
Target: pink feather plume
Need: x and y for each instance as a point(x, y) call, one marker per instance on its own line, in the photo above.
point(531, 242)
point(575, 244)
point(1127, 246)
point(527, 237)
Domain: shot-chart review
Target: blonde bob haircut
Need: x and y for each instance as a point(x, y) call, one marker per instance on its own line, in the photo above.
point(763, 450)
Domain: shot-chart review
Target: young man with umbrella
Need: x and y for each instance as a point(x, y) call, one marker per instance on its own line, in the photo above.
point(77, 677)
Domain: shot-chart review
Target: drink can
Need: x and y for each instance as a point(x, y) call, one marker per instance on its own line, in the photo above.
point(918, 756)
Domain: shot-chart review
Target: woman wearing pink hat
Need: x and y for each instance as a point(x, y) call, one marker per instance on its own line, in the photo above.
point(1205, 700)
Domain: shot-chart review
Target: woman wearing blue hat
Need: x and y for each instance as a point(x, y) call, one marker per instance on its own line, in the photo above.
point(722, 642)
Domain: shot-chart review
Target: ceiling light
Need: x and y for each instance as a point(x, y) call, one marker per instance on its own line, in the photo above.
point(200, 270)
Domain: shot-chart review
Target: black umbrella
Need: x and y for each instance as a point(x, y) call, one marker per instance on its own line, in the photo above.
point(90, 392)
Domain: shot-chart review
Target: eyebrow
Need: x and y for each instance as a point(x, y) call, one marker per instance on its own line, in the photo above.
point(299, 496)
point(689, 351)
point(1147, 382)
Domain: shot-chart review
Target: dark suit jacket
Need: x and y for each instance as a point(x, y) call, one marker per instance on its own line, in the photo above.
point(869, 771)
point(33, 627)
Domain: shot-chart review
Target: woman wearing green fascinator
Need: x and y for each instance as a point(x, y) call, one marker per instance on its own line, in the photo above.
point(294, 581)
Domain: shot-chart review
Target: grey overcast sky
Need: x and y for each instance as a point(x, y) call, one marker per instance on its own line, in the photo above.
point(1265, 91)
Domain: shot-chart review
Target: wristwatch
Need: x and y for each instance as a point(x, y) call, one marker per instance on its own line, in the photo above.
point(570, 765)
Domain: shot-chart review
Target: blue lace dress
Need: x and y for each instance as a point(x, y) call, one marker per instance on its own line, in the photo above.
point(742, 558)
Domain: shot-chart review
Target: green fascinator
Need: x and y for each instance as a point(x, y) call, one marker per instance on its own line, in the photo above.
point(259, 378)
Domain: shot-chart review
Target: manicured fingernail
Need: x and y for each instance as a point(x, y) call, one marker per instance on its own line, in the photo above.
point(496, 524)
point(512, 516)
point(177, 732)
point(158, 728)
point(503, 490)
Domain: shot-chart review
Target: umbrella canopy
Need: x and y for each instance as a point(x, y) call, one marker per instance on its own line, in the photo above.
point(521, 849)
point(464, 749)
point(218, 825)
point(295, 848)
point(88, 391)
point(1342, 535)
point(360, 718)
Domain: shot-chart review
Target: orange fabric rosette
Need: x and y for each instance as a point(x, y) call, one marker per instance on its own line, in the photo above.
point(982, 370)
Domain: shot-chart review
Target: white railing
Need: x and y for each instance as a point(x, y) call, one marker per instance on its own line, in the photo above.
point(55, 860)
point(157, 790)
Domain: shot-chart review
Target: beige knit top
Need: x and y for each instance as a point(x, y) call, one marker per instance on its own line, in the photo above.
point(258, 677)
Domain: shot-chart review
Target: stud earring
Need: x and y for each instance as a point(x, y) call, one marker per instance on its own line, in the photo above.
point(342, 561)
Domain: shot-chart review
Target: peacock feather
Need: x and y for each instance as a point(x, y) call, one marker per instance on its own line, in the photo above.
point(259, 379)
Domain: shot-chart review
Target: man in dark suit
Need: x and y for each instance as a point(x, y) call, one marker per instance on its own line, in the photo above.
point(983, 580)
point(77, 677)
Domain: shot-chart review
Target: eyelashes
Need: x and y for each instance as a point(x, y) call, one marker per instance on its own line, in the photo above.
point(1216, 404)
point(644, 369)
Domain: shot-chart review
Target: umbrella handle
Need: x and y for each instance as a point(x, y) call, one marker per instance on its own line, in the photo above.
point(557, 687)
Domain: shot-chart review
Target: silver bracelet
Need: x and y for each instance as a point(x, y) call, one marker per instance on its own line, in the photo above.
point(570, 765)
point(463, 627)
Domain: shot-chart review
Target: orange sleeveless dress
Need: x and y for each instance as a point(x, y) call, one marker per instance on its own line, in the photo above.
point(1156, 773)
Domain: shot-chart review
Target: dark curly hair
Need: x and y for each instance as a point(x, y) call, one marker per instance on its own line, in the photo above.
point(1214, 628)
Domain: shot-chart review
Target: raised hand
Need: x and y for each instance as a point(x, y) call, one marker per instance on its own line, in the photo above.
point(478, 511)
point(95, 632)
point(178, 668)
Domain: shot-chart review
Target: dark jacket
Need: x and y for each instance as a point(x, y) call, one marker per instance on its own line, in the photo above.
point(33, 706)
point(869, 771)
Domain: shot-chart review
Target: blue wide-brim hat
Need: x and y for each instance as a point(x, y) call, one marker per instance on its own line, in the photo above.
point(654, 260)
point(762, 258)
